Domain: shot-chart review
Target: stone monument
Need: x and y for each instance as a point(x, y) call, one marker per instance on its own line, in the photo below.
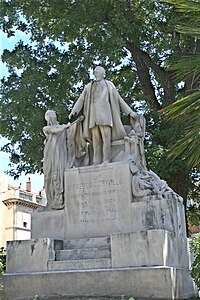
point(111, 226)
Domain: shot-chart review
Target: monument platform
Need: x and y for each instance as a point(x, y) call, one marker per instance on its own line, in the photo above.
point(143, 283)
point(104, 243)
point(99, 202)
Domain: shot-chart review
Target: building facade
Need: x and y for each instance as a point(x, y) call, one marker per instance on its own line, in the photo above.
point(16, 207)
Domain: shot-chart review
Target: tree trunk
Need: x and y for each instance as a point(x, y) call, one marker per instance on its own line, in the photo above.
point(145, 81)
point(169, 90)
point(144, 64)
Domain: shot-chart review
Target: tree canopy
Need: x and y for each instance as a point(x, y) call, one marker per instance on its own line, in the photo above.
point(187, 110)
point(136, 42)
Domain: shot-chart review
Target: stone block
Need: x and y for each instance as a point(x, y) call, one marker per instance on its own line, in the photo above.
point(149, 248)
point(155, 213)
point(142, 283)
point(87, 243)
point(31, 255)
point(88, 253)
point(98, 200)
point(84, 264)
point(49, 224)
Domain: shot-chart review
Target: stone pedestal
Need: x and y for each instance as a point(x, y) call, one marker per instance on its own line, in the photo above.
point(99, 202)
point(143, 283)
point(103, 243)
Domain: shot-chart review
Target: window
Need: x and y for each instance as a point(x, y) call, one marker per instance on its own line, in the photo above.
point(25, 224)
point(25, 196)
point(38, 199)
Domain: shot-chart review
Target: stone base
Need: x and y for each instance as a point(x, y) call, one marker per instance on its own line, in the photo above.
point(142, 283)
point(133, 249)
point(30, 255)
point(102, 244)
point(49, 224)
point(150, 264)
point(99, 202)
point(149, 248)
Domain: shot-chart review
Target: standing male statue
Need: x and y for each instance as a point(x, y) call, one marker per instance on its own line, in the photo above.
point(101, 104)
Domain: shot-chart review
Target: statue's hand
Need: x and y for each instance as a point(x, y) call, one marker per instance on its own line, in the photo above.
point(133, 115)
point(71, 115)
point(67, 125)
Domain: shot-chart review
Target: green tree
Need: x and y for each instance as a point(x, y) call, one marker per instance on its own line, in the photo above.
point(195, 246)
point(134, 40)
point(187, 110)
point(2, 260)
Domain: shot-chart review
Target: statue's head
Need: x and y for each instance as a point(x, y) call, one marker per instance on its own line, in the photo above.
point(50, 117)
point(99, 73)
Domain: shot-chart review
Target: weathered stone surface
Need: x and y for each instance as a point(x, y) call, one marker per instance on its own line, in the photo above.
point(84, 264)
point(49, 224)
point(99, 203)
point(88, 253)
point(87, 243)
point(149, 248)
point(30, 255)
point(143, 283)
point(167, 214)
point(98, 200)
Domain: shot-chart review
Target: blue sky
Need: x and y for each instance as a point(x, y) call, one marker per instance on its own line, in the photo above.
point(37, 180)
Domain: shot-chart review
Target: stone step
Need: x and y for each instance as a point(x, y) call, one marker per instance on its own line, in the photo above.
point(102, 263)
point(141, 283)
point(86, 243)
point(78, 254)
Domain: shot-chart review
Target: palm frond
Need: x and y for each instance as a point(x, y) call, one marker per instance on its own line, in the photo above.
point(188, 147)
point(185, 108)
point(187, 112)
point(189, 30)
point(186, 5)
point(190, 18)
point(188, 65)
